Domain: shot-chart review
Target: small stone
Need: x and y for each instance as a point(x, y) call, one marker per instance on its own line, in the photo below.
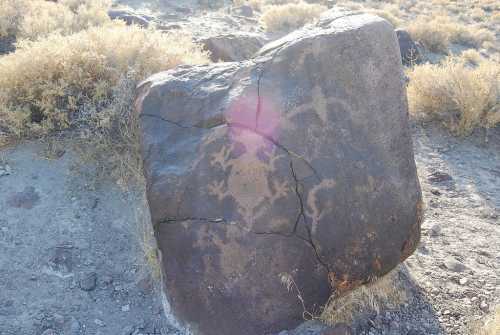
point(107, 279)
point(439, 176)
point(473, 299)
point(49, 332)
point(5, 170)
point(454, 265)
point(463, 281)
point(74, 326)
point(128, 330)
point(125, 308)
point(99, 322)
point(484, 306)
point(88, 282)
point(58, 320)
point(435, 230)
point(446, 312)
point(141, 324)
point(435, 191)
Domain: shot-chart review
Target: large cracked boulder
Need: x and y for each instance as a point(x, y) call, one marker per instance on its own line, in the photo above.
point(275, 181)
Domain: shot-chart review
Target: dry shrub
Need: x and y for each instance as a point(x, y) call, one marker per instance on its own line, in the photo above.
point(394, 20)
point(10, 16)
point(491, 324)
point(495, 18)
point(478, 14)
point(472, 56)
point(33, 19)
point(285, 18)
point(261, 4)
point(86, 81)
point(386, 292)
point(462, 96)
point(438, 32)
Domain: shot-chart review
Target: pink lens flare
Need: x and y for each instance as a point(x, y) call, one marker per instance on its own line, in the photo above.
point(255, 121)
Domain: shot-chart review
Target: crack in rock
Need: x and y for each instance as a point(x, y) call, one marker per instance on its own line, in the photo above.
point(220, 221)
point(242, 126)
point(302, 215)
point(293, 233)
point(259, 98)
point(181, 125)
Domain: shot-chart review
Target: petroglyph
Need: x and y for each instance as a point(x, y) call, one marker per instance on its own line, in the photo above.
point(315, 210)
point(248, 180)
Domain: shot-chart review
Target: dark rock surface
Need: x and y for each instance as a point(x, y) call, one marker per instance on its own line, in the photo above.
point(7, 44)
point(410, 53)
point(129, 16)
point(285, 176)
point(244, 10)
point(233, 47)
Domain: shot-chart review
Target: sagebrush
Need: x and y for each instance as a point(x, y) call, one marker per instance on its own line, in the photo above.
point(285, 18)
point(35, 19)
point(86, 80)
point(436, 33)
point(461, 95)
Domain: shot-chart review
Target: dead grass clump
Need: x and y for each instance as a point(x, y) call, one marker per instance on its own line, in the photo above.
point(87, 81)
point(10, 16)
point(285, 18)
point(430, 35)
point(386, 292)
point(462, 96)
point(438, 32)
point(34, 19)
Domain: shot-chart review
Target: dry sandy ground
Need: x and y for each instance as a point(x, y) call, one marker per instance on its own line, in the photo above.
point(457, 265)
point(72, 257)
